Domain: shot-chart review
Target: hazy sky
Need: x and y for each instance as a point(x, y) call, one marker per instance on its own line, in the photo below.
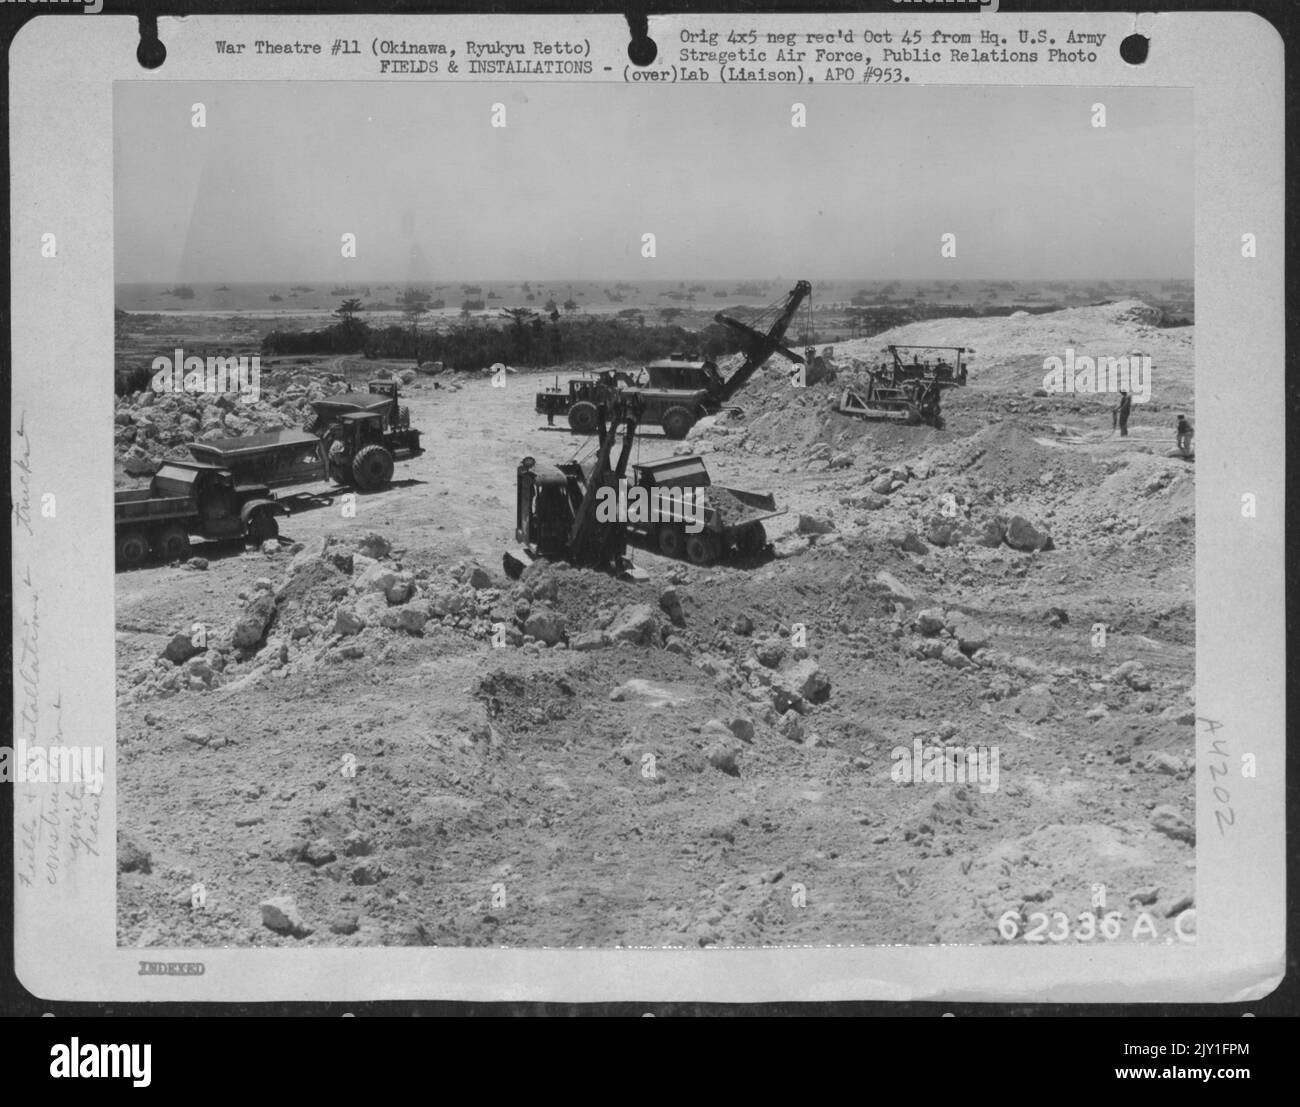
point(731, 190)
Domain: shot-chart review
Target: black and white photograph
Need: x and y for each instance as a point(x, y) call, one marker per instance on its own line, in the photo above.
point(729, 509)
point(724, 533)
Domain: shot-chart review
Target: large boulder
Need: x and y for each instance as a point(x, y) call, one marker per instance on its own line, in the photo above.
point(671, 605)
point(370, 607)
point(180, 649)
point(409, 618)
point(446, 601)
point(1021, 534)
point(906, 539)
point(281, 914)
point(815, 524)
point(401, 589)
point(637, 624)
point(971, 636)
point(250, 626)
point(770, 651)
point(376, 578)
point(138, 463)
point(808, 679)
point(930, 621)
point(1036, 703)
point(545, 625)
point(796, 687)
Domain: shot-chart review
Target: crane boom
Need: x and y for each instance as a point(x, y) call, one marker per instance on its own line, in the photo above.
point(758, 346)
point(587, 544)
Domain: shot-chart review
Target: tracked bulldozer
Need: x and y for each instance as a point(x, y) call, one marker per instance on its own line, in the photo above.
point(908, 392)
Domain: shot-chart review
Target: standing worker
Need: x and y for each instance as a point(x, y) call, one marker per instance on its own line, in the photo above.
point(1120, 413)
point(1185, 433)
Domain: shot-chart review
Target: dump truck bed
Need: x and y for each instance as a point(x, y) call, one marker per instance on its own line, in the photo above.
point(725, 509)
point(220, 451)
point(138, 505)
point(380, 404)
point(276, 457)
point(731, 508)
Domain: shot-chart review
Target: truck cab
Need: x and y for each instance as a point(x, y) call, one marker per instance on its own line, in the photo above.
point(396, 415)
point(681, 374)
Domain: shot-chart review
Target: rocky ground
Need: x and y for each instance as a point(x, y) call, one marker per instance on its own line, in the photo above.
point(364, 734)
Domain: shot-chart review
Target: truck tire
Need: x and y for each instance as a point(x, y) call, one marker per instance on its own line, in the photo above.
point(132, 549)
point(672, 541)
point(701, 549)
point(262, 526)
point(372, 468)
point(172, 544)
point(751, 540)
point(677, 422)
point(582, 417)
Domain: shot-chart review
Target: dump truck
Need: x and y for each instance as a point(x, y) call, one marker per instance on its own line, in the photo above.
point(385, 398)
point(362, 439)
point(685, 496)
point(360, 448)
point(353, 442)
point(908, 391)
point(677, 392)
point(555, 505)
point(185, 498)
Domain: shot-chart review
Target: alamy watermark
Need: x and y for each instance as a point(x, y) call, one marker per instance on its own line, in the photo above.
point(661, 504)
point(36, 764)
point(1131, 374)
point(922, 764)
point(216, 375)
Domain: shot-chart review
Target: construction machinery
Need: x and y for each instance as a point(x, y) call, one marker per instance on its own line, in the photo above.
point(556, 516)
point(679, 511)
point(908, 391)
point(677, 392)
point(387, 402)
point(352, 443)
point(273, 458)
point(581, 396)
point(697, 519)
point(186, 498)
point(360, 448)
point(360, 440)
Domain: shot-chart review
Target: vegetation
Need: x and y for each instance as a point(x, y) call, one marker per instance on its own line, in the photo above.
point(529, 340)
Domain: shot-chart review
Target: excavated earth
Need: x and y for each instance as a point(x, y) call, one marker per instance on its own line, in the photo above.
point(365, 735)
